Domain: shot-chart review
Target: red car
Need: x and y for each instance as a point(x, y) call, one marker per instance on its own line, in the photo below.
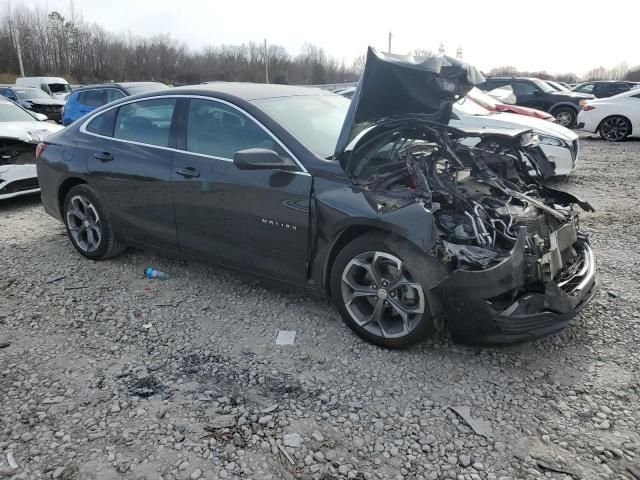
point(495, 105)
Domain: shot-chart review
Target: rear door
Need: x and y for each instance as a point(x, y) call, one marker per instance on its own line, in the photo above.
point(129, 160)
point(256, 220)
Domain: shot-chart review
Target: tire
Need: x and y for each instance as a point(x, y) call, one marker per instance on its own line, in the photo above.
point(565, 116)
point(358, 298)
point(615, 128)
point(89, 225)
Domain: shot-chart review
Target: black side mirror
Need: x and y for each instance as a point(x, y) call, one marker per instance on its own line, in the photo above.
point(537, 93)
point(261, 159)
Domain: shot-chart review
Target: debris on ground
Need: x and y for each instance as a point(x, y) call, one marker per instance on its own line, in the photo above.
point(478, 425)
point(286, 337)
point(292, 440)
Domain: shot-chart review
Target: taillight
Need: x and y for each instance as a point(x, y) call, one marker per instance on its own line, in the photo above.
point(40, 148)
point(586, 108)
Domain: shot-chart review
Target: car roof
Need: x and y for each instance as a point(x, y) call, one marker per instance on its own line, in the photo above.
point(248, 91)
point(106, 85)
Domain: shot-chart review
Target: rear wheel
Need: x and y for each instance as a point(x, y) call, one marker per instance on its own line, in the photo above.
point(89, 225)
point(380, 289)
point(615, 128)
point(565, 116)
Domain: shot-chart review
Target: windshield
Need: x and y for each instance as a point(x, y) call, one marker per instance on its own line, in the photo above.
point(544, 86)
point(557, 86)
point(30, 93)
point(467, 106)
point(147, 87)
point(12, 113)
point(315, 120)
point(59, 87)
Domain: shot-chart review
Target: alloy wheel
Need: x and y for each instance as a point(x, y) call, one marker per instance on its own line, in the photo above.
point(564, 118)
point(381, 295)
point(615, 129)
point(83, 222)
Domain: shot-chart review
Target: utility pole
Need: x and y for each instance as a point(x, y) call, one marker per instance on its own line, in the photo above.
point(14, 30)
point(390, 42)
point(266, 62)
point(19, 53)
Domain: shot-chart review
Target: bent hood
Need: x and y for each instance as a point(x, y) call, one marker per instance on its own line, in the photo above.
point(396, 85)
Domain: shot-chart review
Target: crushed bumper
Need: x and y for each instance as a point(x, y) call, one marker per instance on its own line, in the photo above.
point(493, 306)
point(17, 180)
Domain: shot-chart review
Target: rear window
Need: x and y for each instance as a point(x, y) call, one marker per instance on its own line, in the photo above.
point(146, 121)
point(103, 123)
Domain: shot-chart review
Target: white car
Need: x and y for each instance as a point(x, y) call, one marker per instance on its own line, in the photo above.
point(20, 132)
point(559, 144)
point(614, 118)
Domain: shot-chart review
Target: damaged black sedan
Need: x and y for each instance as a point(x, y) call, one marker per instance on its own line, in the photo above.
point(407, 224)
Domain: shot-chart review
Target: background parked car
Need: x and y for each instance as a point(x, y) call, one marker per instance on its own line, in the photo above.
point(614, 118)
point(88, 98)
point(20, 131)
point(559, 144)
point(35, 100)
point(56, 87)
point(495, 105)
point(604, 88)
point(535, 93)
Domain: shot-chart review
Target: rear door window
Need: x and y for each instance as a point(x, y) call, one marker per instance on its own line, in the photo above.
point(145, 121)
point(93, 98)
point(219, 130)
point(103, 123)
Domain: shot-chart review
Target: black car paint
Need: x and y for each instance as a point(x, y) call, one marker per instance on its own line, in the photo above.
point(282, 225)
point(546, 101)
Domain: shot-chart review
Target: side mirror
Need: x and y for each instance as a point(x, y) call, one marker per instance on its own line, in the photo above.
point(261, 159)
point(537, 93)
point(41, 116)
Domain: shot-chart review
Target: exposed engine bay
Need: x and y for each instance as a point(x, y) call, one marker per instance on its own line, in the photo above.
point(482, 197)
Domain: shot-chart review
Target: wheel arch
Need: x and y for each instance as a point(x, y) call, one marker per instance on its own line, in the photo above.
point(345, 237)
point(64, 188)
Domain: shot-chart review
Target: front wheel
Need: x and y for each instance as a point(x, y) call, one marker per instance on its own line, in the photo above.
point(566, 116)
point(380, 289)
point(615, 129)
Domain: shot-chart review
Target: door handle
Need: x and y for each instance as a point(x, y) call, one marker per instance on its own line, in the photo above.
point(188, 172)
point(103, 156)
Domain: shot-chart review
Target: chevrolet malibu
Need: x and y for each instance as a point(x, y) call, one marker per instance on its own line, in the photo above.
point(376, 203)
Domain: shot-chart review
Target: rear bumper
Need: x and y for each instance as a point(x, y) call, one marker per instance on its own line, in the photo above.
point(478, 313)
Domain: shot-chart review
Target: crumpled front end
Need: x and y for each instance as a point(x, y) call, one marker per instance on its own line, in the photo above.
point(518, 265)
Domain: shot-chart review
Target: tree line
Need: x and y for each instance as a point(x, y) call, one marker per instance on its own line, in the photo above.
point(53, 43)
point(621, 71)
point(63, 43)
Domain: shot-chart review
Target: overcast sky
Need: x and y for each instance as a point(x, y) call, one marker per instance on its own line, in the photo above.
point(557, 36)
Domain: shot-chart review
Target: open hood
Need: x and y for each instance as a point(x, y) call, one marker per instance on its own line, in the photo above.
point(392, 86)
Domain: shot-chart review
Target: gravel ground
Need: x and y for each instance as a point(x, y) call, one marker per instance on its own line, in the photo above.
point(109, 375)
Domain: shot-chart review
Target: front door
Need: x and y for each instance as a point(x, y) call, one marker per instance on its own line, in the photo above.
point(256, 220)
